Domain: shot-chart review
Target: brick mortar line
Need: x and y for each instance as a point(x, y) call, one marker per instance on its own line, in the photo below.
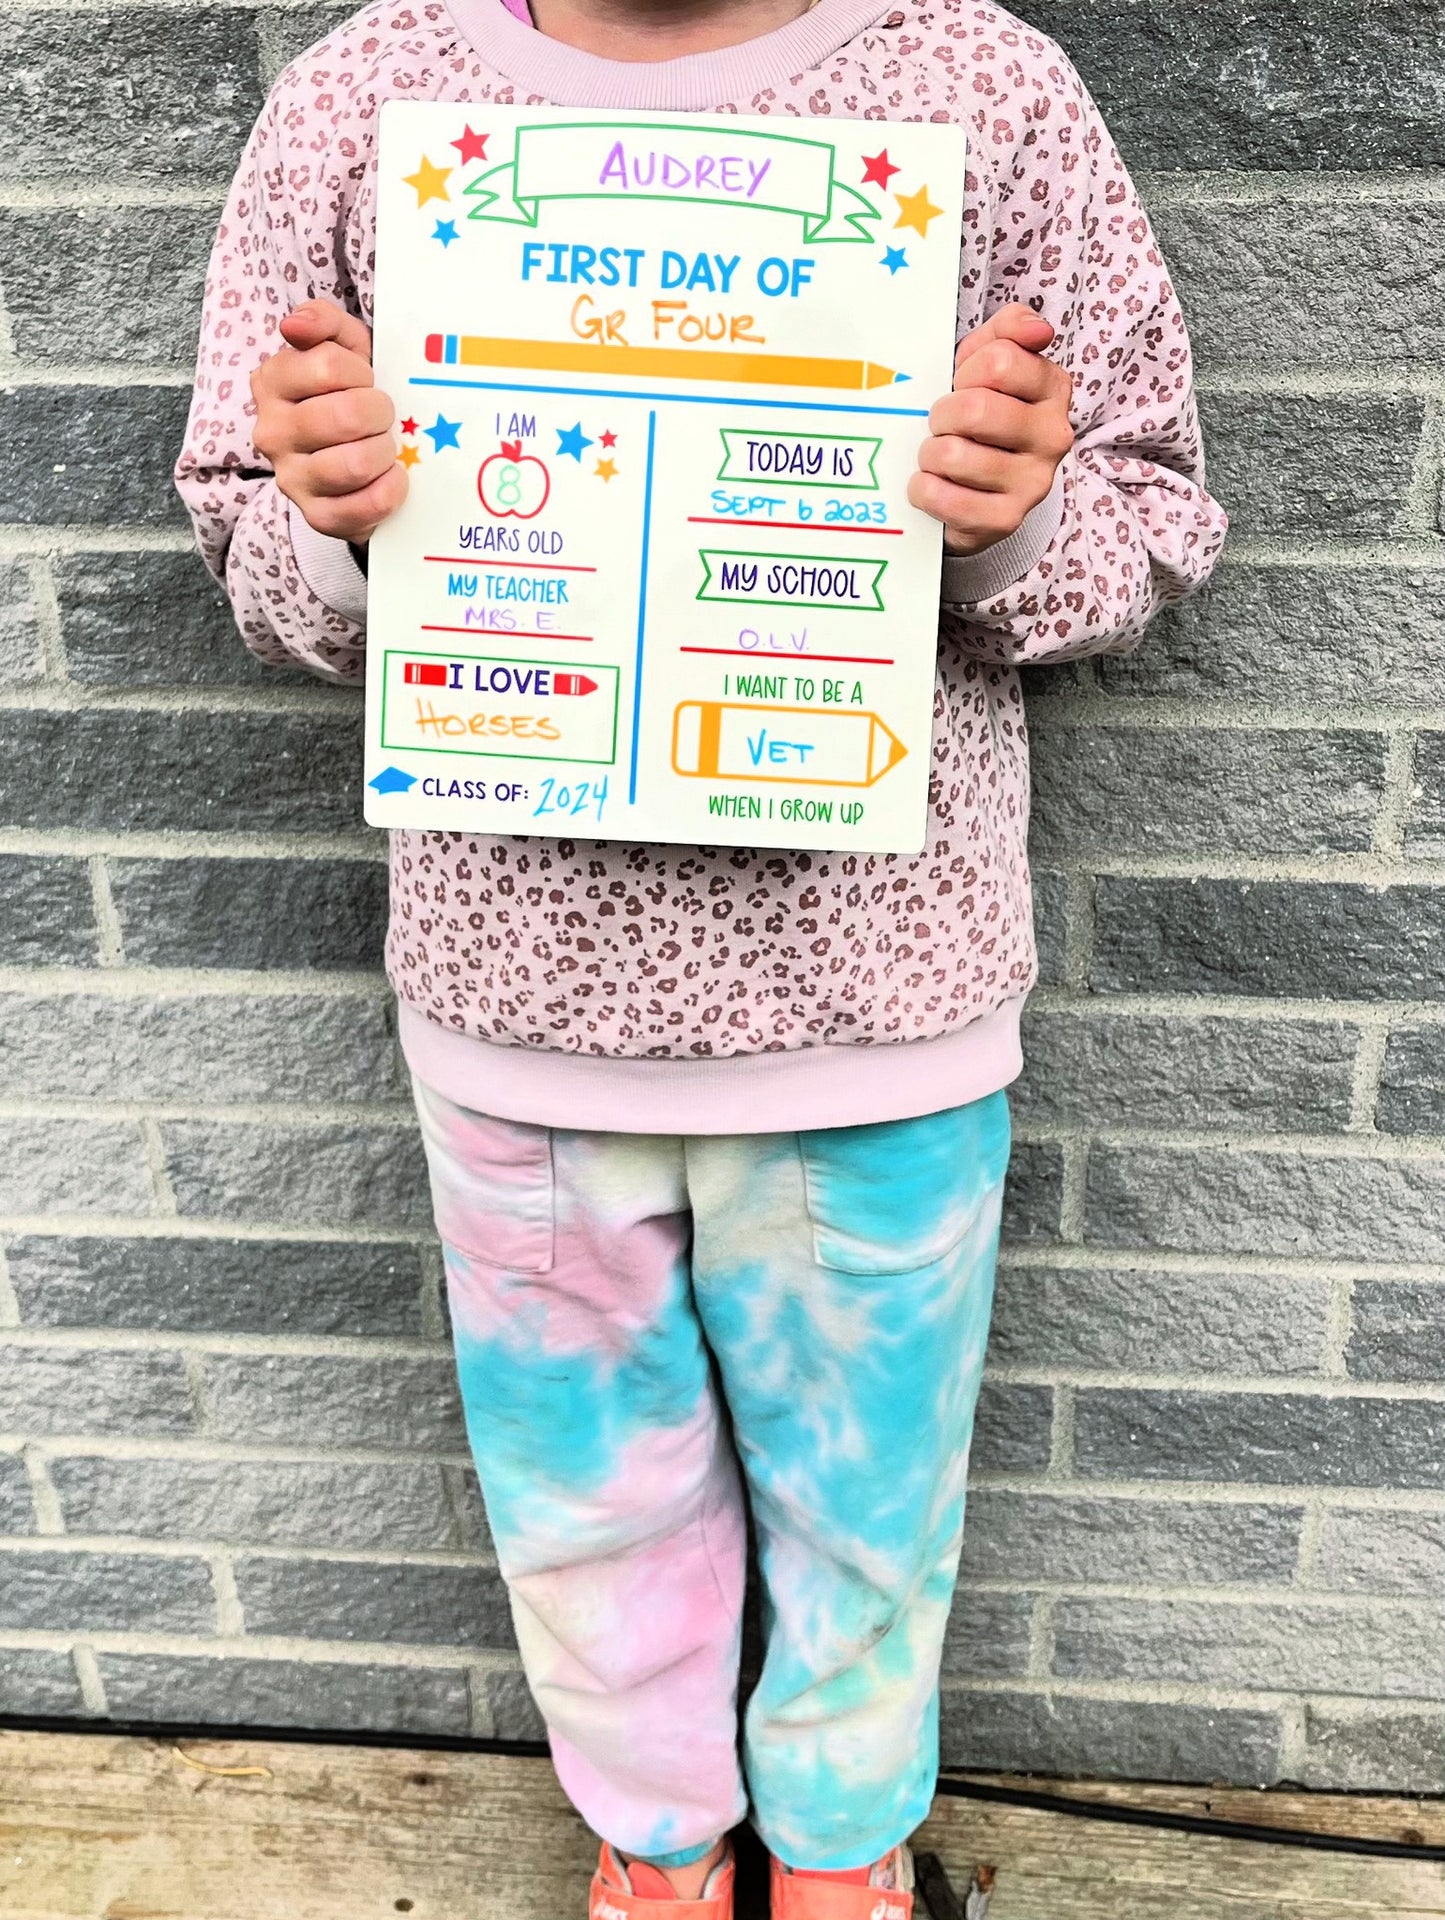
point(1310, 1540)
point(107, 920)
point(311, 1346)
point(395, 1112)
point(1420, 508)
point(1206, 187)
point(1320, 380)
point(9, 1300)
point(389, 1653)
point(318, 701)
point(26, 374)
point(1226, 1596)
point(269, 55)
point(54, 664)
point(479, 1712)
point(433, 1287)
point(92, 1688)
point(230, 1617)
point(367, 844)
point(1293, 1740)
point(1061, 1434)
point(8, 357)
point(19, 537)
point(200, 1399)
point(195, 983)
point(1360, 868)
point(1315, 1386)
point(1171, 1693)
point(1019, 1257)
point(154, 1149)
point(149, 1547)
point(203, 1449)
point(63, 195)
point(134, 1226)
point(1167, 713)
point(1368, 1071)
point(49, 1518)
point(1397, 552)
point(1339, 1327)
point(1212, 1493)
point(1103, 1003)
point(1041, 1637)
point(1230, 1137)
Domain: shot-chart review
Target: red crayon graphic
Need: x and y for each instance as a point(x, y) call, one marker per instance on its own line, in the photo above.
point(573, 683)
point(424, 673)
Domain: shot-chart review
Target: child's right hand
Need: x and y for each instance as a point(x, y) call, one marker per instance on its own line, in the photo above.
point(324, 426)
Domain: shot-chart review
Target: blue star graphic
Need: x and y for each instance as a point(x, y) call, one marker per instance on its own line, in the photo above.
point(894, 259)
point(573, 441)
point(446, 232)
point(444, 433)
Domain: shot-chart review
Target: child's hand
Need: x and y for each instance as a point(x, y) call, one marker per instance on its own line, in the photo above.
point(324, 427)
point(999, 436)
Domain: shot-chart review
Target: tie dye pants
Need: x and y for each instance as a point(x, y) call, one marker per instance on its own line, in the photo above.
point(647, 1324)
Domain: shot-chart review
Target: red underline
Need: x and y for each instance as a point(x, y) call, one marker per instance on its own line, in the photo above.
point(798, 659)
point(798, 526)
point(532, 566)
point(506, 633)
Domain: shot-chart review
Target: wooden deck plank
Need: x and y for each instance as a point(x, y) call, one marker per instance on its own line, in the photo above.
point(106, 1827)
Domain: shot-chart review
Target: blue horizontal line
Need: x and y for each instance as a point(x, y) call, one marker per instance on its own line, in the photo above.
point(682, 399)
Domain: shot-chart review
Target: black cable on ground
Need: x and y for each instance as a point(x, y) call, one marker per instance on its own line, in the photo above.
point(1073, 1807)
point(1123, 1814)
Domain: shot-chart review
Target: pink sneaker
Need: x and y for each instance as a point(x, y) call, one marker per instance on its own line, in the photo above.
point(883, 1891)
point(636, 1891)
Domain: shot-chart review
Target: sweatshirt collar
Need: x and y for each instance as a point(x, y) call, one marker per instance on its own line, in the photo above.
point(567, 77)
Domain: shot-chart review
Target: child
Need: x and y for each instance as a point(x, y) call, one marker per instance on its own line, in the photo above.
point(657, 1305)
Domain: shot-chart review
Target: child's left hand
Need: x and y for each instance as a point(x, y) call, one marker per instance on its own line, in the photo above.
point(999, 437)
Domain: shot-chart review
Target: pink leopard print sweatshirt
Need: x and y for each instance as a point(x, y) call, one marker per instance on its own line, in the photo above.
point(701, 989)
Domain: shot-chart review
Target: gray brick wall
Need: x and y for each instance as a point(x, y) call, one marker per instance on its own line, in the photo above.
point(1208, 1537)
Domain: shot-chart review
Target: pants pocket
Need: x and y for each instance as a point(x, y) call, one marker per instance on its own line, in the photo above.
point(900, 1194)
point(492, 1183)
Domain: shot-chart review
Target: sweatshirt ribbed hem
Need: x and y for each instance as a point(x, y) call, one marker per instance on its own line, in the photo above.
point(971, 578)
point(798, 1091)
point(570, 78)
point(328, 567)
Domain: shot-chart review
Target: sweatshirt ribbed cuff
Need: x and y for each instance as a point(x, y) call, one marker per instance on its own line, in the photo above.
point(328, 567)
point(971, 578)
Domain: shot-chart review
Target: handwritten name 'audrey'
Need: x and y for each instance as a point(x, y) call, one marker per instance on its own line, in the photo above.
point(645, 170)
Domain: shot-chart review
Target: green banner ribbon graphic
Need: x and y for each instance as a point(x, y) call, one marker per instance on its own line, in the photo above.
point(791, 580)
point(624, 160)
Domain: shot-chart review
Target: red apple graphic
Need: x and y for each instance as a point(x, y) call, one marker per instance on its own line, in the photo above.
point(513, 485)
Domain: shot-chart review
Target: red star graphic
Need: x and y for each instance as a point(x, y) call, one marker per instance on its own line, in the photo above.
point(608, 439)
point(473, 146)
point(408, 425)
point(878, 169)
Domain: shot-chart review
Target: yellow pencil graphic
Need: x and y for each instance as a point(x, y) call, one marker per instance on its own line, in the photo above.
point(799, 746)
point(678, 363)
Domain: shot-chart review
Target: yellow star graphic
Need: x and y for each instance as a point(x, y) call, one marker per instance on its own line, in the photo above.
point(430, 182)
point(408, 456)
point(916, 210)
point(606, 469)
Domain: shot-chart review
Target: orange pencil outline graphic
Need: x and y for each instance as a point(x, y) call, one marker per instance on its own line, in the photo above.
point(675, 363)
point(714, 757)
